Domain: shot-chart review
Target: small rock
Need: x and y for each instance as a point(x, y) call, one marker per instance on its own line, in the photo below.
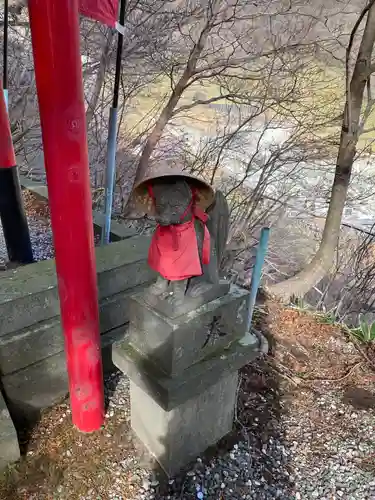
point(146, 485)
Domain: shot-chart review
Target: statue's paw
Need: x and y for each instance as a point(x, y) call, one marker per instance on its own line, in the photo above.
point(158, 288)
point(175, 300)
point(155, 291)
point(198, 289)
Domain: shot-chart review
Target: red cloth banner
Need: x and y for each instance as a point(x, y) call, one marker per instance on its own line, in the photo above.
point(7, 158)
point(104, 11)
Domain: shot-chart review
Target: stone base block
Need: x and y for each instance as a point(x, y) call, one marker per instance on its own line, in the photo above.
point(178, 436)
point(170, 392)
point(175, 344)
point(9, 448)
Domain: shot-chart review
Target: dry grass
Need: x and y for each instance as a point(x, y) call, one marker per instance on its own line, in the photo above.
point(60, 459)
point(316, 352)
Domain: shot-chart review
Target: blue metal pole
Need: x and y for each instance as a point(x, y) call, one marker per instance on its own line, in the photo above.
point(5, 92)
point(5, 52)
point(110, 174)
point(257, 273)
point(112, 136)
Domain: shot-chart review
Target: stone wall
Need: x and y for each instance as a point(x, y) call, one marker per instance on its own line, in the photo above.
point(32, 359)
point(118, 231)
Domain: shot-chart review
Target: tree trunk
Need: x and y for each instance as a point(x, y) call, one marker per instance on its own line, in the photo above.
point(177, 92)
point(160, 125)
point(100, 76)
point(322, 262)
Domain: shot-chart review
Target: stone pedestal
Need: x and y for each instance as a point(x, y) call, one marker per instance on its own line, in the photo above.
point(176, 436)
point(184, 374)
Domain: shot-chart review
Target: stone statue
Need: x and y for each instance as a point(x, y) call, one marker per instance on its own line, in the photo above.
point(183, 351)
point(190, 239)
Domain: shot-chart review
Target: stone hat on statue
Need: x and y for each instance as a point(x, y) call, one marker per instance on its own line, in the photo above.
point(141, 199)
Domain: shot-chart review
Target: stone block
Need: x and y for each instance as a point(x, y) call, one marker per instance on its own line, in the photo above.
point(171, 391)
point(45, 383)
point(28, 294)
point(38, 386)
point(118, 231)
point(178, 436)
point(9, 448)
point(114, 310)
point(124, 267)
point(184, 374)
point(173, 344)
point(32, 344)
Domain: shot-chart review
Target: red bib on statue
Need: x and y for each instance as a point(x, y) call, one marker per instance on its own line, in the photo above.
point(174, 251)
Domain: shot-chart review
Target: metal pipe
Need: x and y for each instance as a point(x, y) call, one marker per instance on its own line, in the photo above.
point(112, 138)
point(257, 273)
point(5, 45)
point(110, 175)
point(6, 99)
point(56, 47)
point(120, 44)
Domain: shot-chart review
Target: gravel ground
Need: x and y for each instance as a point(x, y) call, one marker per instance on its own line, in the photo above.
point(321, 449)
point(39, 227)
point(247, 468)
point(41, 240)
point(332, 449)
point(286, 445)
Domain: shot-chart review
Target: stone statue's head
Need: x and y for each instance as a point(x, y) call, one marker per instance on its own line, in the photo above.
point(172, 196)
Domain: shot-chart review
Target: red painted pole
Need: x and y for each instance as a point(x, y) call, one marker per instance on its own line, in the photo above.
point(12, 212)
point(56, 46)
point(7, 157)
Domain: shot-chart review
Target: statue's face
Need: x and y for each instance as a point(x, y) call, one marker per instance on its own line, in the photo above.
point(172, 197)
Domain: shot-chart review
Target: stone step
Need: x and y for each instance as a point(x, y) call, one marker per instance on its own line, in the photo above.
point(32, 344)
point(28, 294)
point(45, 383)
point(9, 448)
point(118, 231)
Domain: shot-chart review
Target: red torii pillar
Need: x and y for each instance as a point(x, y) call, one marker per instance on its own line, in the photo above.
point(12, 212)
point(56, 46)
